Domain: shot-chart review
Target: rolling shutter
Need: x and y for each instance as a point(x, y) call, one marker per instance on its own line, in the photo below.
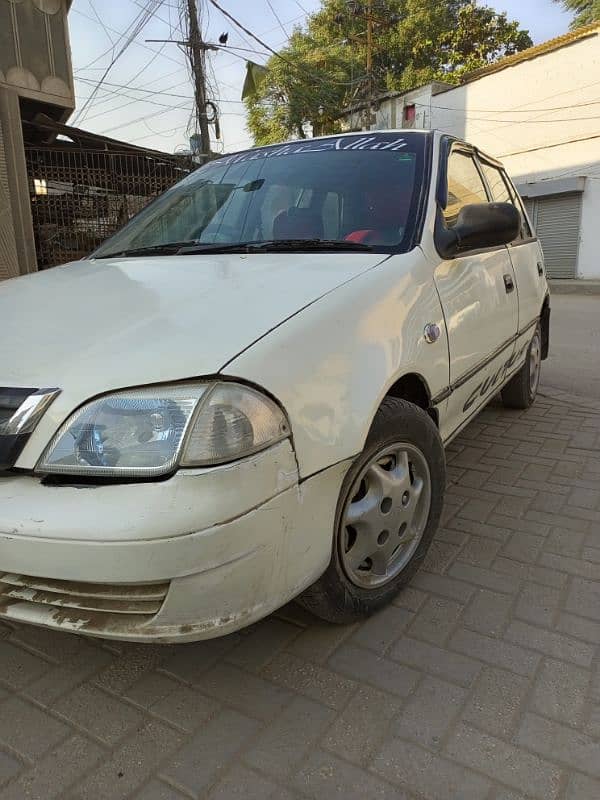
point(557, 221)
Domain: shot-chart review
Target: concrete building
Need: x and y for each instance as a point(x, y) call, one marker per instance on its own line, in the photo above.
point(35, 77)
point(539, 112)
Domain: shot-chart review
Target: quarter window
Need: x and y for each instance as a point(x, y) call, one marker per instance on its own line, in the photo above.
point(465, 186)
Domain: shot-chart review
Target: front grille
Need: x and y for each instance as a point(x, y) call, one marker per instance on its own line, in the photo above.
point(20, 412)
point(83, 600)
point(10, 401)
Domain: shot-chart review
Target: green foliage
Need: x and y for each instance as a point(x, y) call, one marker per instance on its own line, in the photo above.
point(481, 37)
point(586, 11)
point(322, 69)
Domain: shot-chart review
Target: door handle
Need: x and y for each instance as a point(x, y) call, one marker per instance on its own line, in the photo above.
point(509, 284)
point(540, 268)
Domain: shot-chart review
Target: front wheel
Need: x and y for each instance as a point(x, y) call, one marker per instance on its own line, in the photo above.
point(387, 514)
point(521, 390)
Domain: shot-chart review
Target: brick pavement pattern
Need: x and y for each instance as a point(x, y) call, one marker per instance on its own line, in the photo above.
point(481, 682)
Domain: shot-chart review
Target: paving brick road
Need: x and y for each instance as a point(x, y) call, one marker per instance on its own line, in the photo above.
point(574, 361)
point(482, 682)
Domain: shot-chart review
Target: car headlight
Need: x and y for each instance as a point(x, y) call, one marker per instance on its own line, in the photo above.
point(151, 431)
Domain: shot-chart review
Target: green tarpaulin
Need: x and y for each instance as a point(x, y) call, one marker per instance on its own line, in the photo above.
point(255, 73)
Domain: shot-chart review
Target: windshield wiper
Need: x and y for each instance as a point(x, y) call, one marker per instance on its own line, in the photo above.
point(190, 248)
point(166, 249)
point(236, 247)
point(278, 245)
point(300, 245)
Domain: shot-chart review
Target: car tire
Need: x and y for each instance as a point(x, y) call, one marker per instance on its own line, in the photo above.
point(521, 390)
point(390, 503)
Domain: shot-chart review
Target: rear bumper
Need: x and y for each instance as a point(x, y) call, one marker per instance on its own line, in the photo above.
point(184, 585)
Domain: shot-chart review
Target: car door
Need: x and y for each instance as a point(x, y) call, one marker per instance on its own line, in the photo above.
point(525, 252)
point(478, 294)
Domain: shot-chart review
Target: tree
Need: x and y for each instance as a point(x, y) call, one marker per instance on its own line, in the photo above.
point(586, 11)
point(481, 37)
point(322, 69)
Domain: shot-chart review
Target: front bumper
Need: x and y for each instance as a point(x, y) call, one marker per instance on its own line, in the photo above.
point(199, 555)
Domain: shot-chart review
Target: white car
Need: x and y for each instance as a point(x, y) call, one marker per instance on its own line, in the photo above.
point(244, 395)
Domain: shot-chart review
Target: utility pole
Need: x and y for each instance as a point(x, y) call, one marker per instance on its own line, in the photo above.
point(196, 50)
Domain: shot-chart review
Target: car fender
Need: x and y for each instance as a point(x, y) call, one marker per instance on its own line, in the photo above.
point(331, 365)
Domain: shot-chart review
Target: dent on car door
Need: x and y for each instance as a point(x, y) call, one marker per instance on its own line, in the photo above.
point(479, 299)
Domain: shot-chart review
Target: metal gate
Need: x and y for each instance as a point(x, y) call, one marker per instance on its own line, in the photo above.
point(9, 263)
point(557, 221)
point(81, 196)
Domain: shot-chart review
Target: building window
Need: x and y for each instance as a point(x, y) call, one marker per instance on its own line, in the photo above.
point(409, 115)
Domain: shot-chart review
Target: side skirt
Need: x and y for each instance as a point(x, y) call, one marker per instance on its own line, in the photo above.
point(480, 408)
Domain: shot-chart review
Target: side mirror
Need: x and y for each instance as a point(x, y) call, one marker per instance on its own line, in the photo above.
point(480, 225)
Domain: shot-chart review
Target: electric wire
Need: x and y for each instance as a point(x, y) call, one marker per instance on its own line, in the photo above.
point(106, 52)
point(162, 19)
point(145, 116)
point(141, 100)
point(100, 21)
point(504, 124)
point(276, 15)
point(151, 92)
point(136, 28)
point(102, 96)
point(508, 110)
point(548, 146)
point(269, 48)
point(109, 95)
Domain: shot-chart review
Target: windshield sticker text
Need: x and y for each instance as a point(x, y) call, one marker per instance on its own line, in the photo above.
point(317, 146)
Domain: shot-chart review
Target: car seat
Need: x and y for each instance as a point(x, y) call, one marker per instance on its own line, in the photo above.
point(298, 223)
point(384, 217)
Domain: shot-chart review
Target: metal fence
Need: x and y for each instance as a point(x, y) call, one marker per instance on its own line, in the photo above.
point(79, 196)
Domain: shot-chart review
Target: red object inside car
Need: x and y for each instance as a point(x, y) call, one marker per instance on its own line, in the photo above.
point(361, 236)
point(386, 211)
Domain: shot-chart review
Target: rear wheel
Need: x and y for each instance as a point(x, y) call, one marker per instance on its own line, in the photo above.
point(521, 391)
point(387, 514)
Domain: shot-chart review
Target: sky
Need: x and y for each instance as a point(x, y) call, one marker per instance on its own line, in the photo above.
point(156, 113)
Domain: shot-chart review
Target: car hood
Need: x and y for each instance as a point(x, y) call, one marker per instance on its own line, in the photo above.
point(98, 325)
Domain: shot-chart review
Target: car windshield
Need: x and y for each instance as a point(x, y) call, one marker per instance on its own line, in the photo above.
point(360, 190)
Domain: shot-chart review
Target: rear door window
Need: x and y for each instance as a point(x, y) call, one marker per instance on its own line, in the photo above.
point(526, 227)
point(502, 191)
point(465, 185)
point(497, 184)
